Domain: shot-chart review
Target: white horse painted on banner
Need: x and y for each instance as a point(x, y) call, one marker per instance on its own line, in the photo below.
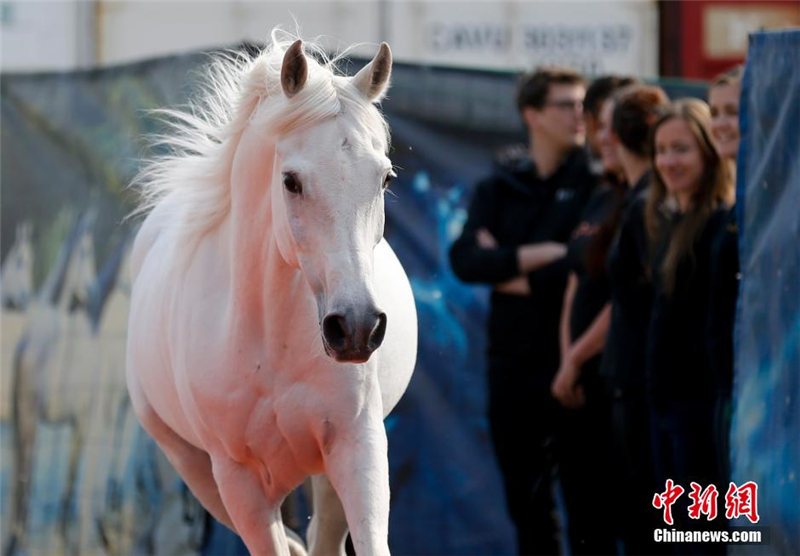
point(16, 286)
point(272, 327)
point(16, 276)
point(52, 381)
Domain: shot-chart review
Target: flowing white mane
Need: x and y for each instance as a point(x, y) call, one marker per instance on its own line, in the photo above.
point(194, 177)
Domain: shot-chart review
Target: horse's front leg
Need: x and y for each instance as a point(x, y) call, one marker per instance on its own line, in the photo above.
point(257, 520)
point(358, 469)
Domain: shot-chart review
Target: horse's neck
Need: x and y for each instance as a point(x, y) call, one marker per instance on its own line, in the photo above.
point(258, 272)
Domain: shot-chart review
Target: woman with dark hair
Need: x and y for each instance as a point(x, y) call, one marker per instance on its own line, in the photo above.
point(687, 205)
point(584, 428)
point(723, 98)
point(634, 112)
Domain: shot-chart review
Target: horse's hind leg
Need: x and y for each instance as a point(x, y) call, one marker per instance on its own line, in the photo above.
point(328, 529)
point(192, 464)
point(76, 445)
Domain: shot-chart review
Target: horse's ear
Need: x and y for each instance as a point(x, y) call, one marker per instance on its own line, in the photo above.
point(373, 79)
point(294, 70)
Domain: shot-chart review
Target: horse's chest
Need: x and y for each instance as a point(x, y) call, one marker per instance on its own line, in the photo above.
point(252, 411)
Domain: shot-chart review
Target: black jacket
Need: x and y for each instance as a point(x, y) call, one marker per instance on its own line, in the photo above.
point(624, 355)
point(518, 207)
point(678, 362)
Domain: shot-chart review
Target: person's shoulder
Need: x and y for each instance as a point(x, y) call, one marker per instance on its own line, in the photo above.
point(606, 190)
point(721, 216)
point(512, 158)
point(578, 161)
point(511, 168)
point(723, 221)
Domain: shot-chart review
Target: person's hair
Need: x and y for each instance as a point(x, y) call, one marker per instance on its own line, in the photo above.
point(732, 76)
point(715, 190)
point(533, 87)
point(635, 109)
point(600, 245)
point(601, 89)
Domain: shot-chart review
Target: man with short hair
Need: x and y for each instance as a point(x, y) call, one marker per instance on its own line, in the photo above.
point(519, 220)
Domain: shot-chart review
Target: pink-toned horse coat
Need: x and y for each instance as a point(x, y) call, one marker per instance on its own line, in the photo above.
point(271, 326)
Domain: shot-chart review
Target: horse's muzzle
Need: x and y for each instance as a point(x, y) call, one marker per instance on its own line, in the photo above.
point(349, 339)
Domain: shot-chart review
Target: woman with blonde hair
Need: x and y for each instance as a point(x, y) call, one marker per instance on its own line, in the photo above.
point(688, 203)
point(723, 98)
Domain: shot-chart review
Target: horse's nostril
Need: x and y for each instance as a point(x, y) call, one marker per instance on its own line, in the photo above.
point(377, 334)
point(336, 332)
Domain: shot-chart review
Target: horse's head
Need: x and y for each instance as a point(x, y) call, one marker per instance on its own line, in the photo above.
point(81, 271)
point(328, 210)
point(16, 279)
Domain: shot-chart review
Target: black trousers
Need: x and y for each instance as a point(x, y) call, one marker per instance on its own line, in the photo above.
point(632, 450)
point(685, 450)
point(521, 419)
point(589, 481)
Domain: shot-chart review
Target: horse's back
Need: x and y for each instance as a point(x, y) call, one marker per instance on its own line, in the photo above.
point(398, 353)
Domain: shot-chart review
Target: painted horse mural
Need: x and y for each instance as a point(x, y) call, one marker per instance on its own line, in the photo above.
point(53, 356)
point(272, 328)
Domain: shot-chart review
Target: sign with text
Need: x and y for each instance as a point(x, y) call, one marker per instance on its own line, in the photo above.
point(593, 38)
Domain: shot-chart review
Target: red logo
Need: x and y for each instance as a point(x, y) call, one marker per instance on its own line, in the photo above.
point(739, 501)
point(703, 501)
point(666, 499)
point(742, 501)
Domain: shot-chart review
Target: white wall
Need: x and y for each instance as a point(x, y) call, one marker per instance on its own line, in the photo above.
point(594, 37)
point(40, 35)
point(135, 29)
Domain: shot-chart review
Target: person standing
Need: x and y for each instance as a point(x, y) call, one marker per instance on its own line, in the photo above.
point(723, 98)
point(687, 206)
point(584, 433)
point(514, 240)
point(635, 109)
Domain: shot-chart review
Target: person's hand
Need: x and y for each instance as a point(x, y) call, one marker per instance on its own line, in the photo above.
point(533, 256)
point(515, 286)
point(553, 250)
point(565, 387)
point(485, 239)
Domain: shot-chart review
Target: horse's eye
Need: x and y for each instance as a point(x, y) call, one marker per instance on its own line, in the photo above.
point(292, 184)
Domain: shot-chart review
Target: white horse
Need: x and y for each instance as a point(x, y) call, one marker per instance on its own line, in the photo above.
point(272, 327)
point(16, 286)
point(52, 381)
point(16, 277)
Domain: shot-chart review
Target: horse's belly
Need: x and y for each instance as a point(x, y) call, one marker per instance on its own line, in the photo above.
point(150, 353)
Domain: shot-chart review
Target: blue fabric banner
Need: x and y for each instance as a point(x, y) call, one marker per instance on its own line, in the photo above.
point(766, 419)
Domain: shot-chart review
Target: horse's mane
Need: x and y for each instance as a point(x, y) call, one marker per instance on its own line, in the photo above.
point(237, 90)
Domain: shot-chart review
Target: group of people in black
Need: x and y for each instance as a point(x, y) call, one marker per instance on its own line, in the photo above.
point(611, 250)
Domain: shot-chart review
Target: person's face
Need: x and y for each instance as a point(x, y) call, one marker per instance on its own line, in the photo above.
point(606, 140)
point(560, 120)
point(724, 102)
point(678, 158)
